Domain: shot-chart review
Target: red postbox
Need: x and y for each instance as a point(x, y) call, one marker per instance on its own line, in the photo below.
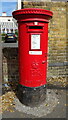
point(33, 44)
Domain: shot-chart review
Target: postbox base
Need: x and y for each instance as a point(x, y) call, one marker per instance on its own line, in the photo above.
point(31, 96)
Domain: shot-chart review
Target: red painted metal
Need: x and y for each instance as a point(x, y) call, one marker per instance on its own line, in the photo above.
point(32, 66)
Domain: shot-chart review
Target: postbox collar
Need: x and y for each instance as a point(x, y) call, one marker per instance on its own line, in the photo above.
point(32, 14)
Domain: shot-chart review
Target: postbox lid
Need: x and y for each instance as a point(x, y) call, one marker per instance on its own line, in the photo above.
point(29, 13)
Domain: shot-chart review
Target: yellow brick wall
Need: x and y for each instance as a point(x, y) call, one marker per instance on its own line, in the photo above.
point(57, 33)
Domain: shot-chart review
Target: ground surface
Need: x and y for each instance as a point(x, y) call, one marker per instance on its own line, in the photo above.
point(57, 109)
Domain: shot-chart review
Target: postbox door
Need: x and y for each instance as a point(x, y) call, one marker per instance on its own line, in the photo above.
point(33, 55)
point(38, 58)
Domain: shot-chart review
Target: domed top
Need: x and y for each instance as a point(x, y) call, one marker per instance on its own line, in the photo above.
point(32, 13)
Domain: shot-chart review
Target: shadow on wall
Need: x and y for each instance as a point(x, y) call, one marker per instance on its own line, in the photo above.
point(10, 67)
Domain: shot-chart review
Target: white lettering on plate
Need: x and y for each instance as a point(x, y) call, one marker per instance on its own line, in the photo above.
point(35, 52)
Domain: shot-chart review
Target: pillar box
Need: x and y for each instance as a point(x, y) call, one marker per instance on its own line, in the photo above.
point(33, 45)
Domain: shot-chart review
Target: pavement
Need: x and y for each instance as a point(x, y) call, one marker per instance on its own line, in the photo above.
point(10, 45)
point(59, 110)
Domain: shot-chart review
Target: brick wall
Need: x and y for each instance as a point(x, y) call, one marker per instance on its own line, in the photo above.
point(57, 51)
point(57, 38)
point(58, 44)
point(10, 66)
